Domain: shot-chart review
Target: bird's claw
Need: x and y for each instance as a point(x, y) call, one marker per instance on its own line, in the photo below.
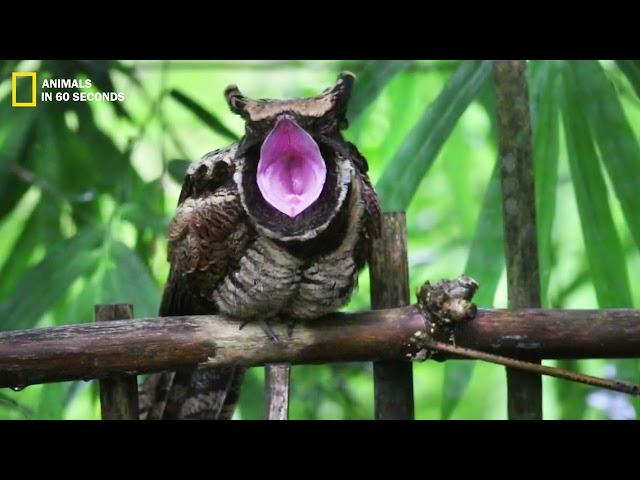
point(268, 330)
point(266, 327)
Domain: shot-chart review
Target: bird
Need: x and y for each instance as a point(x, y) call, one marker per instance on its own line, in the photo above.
point(274, 227)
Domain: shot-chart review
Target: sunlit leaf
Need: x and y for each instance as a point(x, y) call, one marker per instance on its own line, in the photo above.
point(631, 69)
point(405, 171)
point(17, 134)
point(371, 79)
point(99, 71)
point(572, 396)
point(252, 402)
point(143, 218)
point(616, 140)
point(43, 285)
point(127, 70)
point(22, 252)
point(485, 264)
point(204, 115)
point(51, 404)
point(128, 280)
point(604, 250)
point(7, 67)
point(545, 103)
point(119, 277)
point(11, 404)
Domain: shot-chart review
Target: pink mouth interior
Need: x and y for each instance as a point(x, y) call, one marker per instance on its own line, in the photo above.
point(291, 171)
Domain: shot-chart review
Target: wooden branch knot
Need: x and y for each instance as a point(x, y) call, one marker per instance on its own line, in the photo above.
point(448, 302)
point(445, 305)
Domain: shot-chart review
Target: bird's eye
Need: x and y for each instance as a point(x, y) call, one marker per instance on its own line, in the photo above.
point(221, 172)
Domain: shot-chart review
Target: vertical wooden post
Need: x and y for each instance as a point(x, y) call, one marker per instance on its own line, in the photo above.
point(277, 378)
point(389, 273)
point(118, 395)
point(519, 213)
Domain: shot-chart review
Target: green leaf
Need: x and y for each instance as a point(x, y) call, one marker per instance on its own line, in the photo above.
point(204, 115)
point(142, 218)
point(23, 249)
point(408, 167)
point(17, 129)
point(404, 107)
point(251, 405)
point(371, 79)
point(9, 403)
point(631, 69)
point(99, 71)
point(51, 403)
point(572, 396)
point(128, 280)
point(103, 155)
point(485, 263)
point(6, 69)
point(545, 100)
point(597, 104)
point(46, 283)
point(604, 250)
point(120, 277)
point(616, 140)
point(128, 70)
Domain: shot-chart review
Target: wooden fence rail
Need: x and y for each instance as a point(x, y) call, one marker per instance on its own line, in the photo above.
point(102, 349)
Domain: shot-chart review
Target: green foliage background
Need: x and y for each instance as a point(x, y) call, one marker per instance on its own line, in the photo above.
point(87, 189)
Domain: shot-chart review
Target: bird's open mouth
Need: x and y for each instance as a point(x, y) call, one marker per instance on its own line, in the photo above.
point(291, 170)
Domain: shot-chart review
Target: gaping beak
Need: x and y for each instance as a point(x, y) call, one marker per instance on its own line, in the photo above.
point(291, 170)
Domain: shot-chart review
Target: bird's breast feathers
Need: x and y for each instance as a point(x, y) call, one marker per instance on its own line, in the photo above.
point(246, 275)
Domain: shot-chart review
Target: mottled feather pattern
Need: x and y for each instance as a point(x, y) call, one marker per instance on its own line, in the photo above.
point(247, 276)
point(217, 256)
point(232, 253)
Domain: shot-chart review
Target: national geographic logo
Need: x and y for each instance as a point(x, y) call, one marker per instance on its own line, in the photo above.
point(24, 90)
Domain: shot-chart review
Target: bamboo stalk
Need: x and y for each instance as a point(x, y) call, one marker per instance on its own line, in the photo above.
point(277, 378)
point(519, 211)
point(118, 395)
point(389, 273)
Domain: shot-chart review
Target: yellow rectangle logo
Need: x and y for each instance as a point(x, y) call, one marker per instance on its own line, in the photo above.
point(14, 95)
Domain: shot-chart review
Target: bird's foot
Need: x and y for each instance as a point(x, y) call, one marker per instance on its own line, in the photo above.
point(266, 328)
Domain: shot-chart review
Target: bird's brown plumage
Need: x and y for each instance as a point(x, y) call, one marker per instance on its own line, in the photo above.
point(231, 253)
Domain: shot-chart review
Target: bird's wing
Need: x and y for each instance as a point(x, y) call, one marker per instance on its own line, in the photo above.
point(372, 220)
point(207, 237)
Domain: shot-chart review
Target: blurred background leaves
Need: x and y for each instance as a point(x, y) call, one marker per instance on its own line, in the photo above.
point(87, 190)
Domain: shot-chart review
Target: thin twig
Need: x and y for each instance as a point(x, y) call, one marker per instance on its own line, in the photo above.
point(615, 385)
point(28, 176)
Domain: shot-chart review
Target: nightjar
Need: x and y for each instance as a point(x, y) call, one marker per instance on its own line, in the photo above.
point(277, 225)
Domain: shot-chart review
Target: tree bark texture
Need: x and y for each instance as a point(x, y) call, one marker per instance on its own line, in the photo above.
point(389, 272)
point(101, 349)
point(118, 394)
point(519, 213)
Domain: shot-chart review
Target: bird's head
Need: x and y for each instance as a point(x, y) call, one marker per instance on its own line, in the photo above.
point(293, 168)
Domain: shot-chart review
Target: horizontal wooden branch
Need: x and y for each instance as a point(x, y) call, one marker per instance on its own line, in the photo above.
point(98, 350)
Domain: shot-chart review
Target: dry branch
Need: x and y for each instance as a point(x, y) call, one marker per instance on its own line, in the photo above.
point(97, 350)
